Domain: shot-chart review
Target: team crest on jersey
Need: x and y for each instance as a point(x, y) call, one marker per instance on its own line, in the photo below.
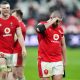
point(56, 37)
point(46, 71)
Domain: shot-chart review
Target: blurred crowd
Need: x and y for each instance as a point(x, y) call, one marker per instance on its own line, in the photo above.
point(40, 10)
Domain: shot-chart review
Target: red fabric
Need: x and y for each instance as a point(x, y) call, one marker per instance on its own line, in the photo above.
point(50, 49)
point(20, 60)
point(40, 69)
point(7, 31)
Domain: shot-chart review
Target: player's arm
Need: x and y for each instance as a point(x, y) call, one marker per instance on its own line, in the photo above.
point(63, 50)
point(15, 37)
point(42, 27)
point(21, 40)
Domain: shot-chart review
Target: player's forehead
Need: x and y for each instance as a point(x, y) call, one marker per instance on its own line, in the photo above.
point(5, 6)
point(55, 14)
point(14, 13)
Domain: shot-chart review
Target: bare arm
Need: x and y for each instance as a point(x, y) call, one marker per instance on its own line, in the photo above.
point(15, 37)
point(51, 21)
point(21, 40)
point(64, 51)
point(42, 27)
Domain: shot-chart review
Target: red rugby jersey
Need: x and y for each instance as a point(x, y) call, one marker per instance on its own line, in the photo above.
point(7, 32)
point(50, 49)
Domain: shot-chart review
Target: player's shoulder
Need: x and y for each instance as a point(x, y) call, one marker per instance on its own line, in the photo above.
point(13, 18)
point(42, 22)
point(60, 28)
point(22, 24)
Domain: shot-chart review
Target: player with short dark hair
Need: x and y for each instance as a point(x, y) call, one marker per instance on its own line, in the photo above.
point(9, 26)
point(51, 49)
point(18, 13)
point(17, 48)
point(4, 2)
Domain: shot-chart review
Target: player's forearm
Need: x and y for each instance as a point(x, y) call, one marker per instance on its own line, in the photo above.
point(50, 22)
point(15, 37)
point(20, 38)
point(21, 41)
point(42, 27)
point(63, 49)
point(64, 53)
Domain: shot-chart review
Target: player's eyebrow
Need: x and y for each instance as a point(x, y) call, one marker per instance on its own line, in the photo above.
point(8, 7)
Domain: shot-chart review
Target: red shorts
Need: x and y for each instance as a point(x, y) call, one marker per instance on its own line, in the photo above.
point(39, 68)
point(19, 60)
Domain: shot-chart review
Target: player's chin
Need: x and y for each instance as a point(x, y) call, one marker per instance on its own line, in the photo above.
point(6, 14)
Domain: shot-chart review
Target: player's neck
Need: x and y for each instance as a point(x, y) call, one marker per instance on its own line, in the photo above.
point(19, 19)
point(5, 17)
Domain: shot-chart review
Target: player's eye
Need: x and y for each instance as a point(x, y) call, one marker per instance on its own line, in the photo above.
point(3, 8)
point(8, 8)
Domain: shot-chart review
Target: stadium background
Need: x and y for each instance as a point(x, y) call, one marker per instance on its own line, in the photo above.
point(37, 10)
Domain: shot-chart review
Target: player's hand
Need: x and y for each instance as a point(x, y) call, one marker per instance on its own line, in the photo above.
point(56, 19)
point(24, 52)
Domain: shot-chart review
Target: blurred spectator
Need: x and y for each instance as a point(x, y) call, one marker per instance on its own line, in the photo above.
point(31, 22)
point(23, 5)
point(78, 14)
point(72, 25)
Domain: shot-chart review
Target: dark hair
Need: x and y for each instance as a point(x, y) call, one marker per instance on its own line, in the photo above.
point(18, 12)
point(4, 2)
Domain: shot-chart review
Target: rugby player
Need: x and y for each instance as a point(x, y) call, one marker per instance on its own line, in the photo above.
point(51, 49)
point(17, 48)
point(9, 26)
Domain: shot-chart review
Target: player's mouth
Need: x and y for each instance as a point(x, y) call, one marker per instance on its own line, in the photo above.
point(6, 12)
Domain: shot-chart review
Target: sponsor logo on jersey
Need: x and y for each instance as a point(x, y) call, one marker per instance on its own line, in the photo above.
point(7, 32)
point(56, 37)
